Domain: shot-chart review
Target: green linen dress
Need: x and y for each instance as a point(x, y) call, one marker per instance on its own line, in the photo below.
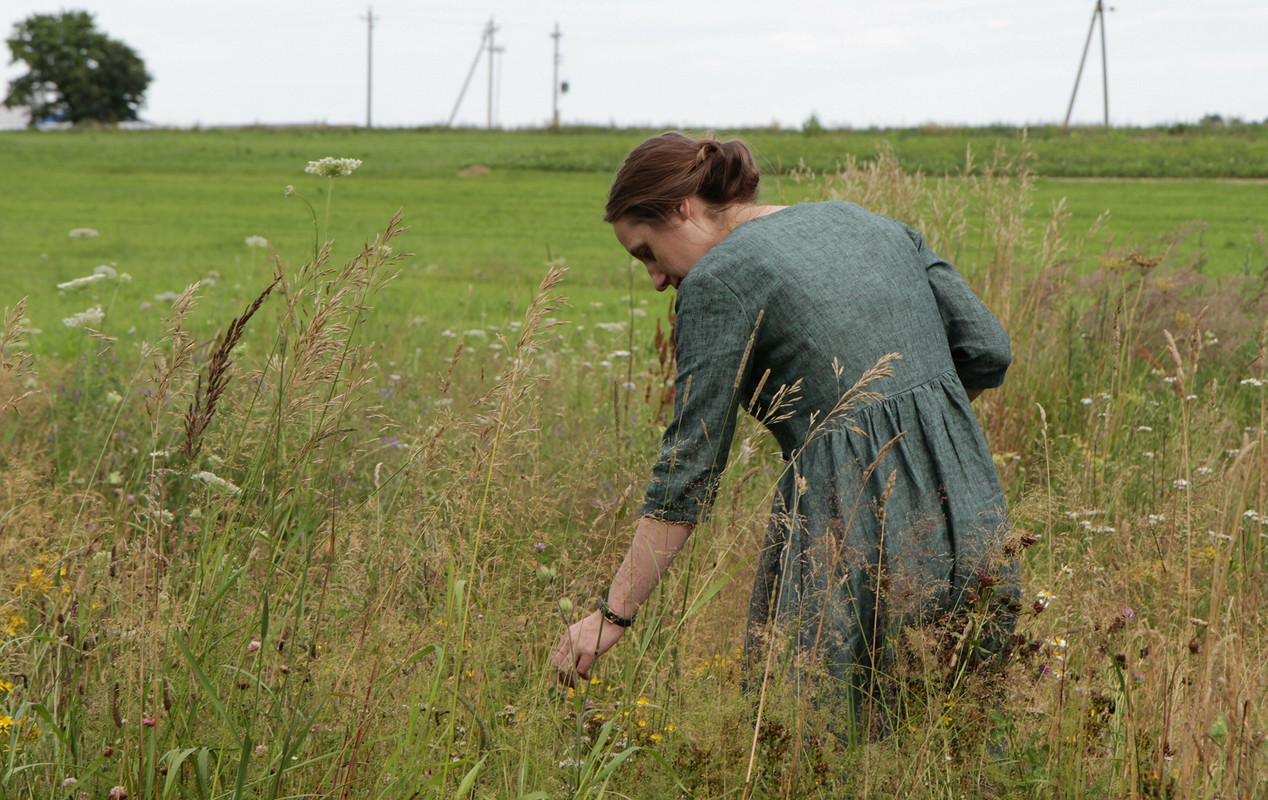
point(885, 514)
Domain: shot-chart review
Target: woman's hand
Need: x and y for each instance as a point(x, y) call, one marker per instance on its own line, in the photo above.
point(585, 641)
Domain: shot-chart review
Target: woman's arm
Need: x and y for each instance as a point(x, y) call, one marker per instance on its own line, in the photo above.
point(655, 545)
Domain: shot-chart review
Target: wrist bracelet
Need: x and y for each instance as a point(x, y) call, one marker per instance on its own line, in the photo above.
point(613, 617)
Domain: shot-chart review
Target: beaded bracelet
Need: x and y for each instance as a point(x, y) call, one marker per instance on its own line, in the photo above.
point(613, 617)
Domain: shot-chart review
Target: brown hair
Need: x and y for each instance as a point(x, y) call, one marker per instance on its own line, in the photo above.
point(665, 170)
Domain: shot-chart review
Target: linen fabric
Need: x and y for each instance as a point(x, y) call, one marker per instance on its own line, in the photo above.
point(781, 319)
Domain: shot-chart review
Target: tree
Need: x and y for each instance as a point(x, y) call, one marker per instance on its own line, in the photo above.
point(76, 73)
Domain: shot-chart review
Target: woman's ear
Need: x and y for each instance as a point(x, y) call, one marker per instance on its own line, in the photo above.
point(687, 209)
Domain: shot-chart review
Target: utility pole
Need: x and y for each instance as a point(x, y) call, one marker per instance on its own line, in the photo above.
point(554, 117)
point(1097, 13)
point(474, 63)
point(490, 30)
point(369, 62)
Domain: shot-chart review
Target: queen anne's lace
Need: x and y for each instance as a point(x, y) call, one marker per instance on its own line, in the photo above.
point(330, 167)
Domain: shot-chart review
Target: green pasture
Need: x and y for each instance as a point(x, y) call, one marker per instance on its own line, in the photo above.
point(173, 207)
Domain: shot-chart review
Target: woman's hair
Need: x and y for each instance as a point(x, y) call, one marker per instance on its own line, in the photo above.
point(665, 170)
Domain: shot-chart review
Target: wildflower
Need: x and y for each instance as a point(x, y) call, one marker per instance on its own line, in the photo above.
point(1145, 429)
point(215, 481)
point(1252, 382)
point(113, 398)
point(1180, 483)
point(1255, 516)
point(539, 547)
point(1169, 379)
point(256, 242)
point(148, 720)
point(330, 167)
point(85, 319)
point(78, 283)
point(1127, 613)
point(14, 626)
point(1155, 519)
point(620, 354)
point(288, 191)
point(5, 687)
point(69, 783)
point(1087, 401)
point(37, 581)
point(118, 793)
point(1204, 470)
point(253, 646)
point(261, 750)
point(1044, 599)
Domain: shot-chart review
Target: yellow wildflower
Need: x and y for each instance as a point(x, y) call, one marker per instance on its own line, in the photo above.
point(15, 625)
point(6, 722)
point(656, 737)
point(38, 581)
point(5, 687)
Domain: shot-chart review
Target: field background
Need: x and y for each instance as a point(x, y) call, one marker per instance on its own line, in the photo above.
point(367, 613)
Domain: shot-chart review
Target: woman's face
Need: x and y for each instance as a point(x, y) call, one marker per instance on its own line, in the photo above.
point(671, 249)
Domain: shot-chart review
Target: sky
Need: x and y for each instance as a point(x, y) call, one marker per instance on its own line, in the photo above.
point(686, 63)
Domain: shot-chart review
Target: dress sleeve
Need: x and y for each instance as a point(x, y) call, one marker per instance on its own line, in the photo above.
point(713, 337)
point(979, 346)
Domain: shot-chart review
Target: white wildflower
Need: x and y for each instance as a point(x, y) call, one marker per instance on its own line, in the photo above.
point(216, 482)
point(82, 233)
point(1204, 470)
point(1180, 483)
point(1087, 401)
point(166, 297)
point(256, 242)
point(1044, 598)
point(475, 332)
point(629, 387)
point(638, 312)
point(1190, 397)
point(1155, 519)
point(614, 327)
point(113, 398)
point(1145, 429)
point(289, 190)
point(1225, 537)
point(1169, 379)
point(74, 284)
point(620, 354)
point(107, 271)
point(1253, 382)
point(85, 319)
point(330, 167)
point(1147, 454)
point(448, 334)
point(1234, 453)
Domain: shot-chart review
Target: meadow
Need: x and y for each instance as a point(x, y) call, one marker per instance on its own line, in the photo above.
point(298, 493)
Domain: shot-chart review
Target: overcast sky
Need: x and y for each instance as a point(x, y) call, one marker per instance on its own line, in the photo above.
point(688, 63)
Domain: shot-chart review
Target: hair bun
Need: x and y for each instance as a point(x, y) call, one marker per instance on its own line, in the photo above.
point(707, 148)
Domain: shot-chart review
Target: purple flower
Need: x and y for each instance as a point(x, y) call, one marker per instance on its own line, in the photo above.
point(1127, 612)
point(540, 547)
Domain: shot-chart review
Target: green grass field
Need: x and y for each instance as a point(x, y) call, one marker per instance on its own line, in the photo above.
point(330, 560)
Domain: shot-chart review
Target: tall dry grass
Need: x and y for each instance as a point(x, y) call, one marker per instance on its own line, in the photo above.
point(302, 559)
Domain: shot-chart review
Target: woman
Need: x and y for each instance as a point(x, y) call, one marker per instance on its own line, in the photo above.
point(889, 509)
